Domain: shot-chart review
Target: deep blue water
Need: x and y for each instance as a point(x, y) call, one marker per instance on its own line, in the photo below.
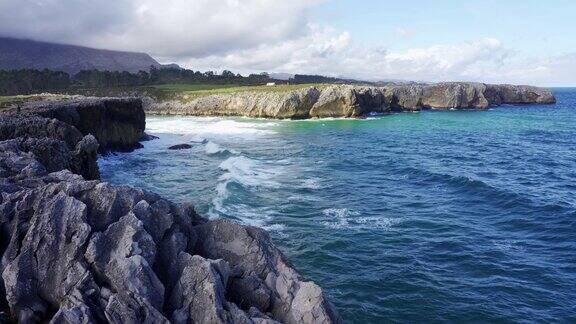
point(411, 217)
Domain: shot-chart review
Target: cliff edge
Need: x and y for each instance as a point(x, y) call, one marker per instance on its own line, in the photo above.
point(75, 250)
point(353, 101)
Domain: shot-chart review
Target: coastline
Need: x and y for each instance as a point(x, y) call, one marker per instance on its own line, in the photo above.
point(352, 101)
point(45, 149)
point(125, 254)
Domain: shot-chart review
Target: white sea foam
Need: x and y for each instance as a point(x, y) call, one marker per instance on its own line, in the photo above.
point(249, 172)
point(252, 175)
point(311, 183)
point(344, 218)
point(214, 148)
point(209, 127)
point(338, 218)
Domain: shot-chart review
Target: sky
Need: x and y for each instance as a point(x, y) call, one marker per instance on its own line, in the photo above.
point(506, 41)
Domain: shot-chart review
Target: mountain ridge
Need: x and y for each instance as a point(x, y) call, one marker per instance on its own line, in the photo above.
point(30, 54)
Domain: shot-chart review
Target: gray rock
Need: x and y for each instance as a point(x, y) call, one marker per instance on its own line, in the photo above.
point(259, 263)
point(199, 293)
point(511, 94)
point(122, 255)
point(454, 95)
point(36, 270)
point(81, 251)
point(352, 101)
point(38, 127)
point(180, 147)
point(117, 123)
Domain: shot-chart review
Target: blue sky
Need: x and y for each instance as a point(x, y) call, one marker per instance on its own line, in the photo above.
point(534, 27)
point(506, 41)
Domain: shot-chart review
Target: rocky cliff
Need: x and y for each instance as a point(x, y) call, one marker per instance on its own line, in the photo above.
point(354, 101)
point(75, 250)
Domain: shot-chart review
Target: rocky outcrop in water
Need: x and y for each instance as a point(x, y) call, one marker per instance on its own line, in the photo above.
point(83, 251)
point(354, 101)
point(180, 147)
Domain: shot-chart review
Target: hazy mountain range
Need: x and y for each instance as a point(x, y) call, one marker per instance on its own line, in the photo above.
point(20, 54)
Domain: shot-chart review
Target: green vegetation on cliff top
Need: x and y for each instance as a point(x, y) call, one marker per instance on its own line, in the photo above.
point(164, 92)
point(187, 92)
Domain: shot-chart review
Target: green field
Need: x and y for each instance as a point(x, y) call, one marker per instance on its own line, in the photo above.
point(163, 92)
point(13, 101)
point(186, 92)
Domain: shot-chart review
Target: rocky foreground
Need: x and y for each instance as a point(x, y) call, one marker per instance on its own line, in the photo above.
point(354, 101)
point(77, 250)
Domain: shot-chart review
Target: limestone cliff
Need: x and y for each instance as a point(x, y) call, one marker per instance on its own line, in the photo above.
point(117, 123)
point(354, 101)
point(75, 250)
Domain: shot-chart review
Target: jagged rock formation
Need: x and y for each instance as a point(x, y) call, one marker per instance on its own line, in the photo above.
point(83, 251)
point(117, 123)
point(354, 101)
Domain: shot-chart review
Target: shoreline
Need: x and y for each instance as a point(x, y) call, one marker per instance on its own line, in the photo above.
point(352, 101)
point(184, 267)
point(50, 180)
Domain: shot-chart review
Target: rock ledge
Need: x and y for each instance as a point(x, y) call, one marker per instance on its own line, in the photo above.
point(83, 251)
point(354, 101)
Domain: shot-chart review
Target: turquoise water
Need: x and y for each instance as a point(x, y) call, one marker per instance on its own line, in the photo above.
point(410, 217)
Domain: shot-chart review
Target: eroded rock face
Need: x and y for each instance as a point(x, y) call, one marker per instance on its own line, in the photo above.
point(511, 94)
point(452, 95)
point(76, 250)
point(293, 104)
point(117, 123)
point(69, 134)
point(180, 147)
point(261, 275)
point(354, 101)
point(83, 251)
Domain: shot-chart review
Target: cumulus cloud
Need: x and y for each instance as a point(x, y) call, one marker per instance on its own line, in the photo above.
point(268, 35)
point(325, 51)
point(174, 28)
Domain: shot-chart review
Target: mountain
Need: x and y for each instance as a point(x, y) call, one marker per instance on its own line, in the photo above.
point(20, 54)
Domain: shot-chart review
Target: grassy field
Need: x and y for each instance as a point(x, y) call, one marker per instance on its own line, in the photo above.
point(7, 102)
point(164, 92)
point(187, 92)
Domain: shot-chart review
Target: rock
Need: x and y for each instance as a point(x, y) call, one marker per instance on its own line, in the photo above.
point(117, 123)
point(84, 158)
point(263, 272)
point(148, 137)
point(38, 127)
point(36, 270)
point(199, 293)
point(180, 147)
point(352, 101)
point(69, 134)
point(454, 95)
point(405, 98)
point(511, 94)
point(335, 102)
point(79, 251)
point(54, 155)
point(292, 104)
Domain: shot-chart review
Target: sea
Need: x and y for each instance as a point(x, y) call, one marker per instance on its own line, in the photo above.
point(433, 216)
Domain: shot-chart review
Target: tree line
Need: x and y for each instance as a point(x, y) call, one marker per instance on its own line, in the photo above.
point(28, 81)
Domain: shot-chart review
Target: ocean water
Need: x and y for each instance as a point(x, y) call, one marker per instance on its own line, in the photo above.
point(461, 216)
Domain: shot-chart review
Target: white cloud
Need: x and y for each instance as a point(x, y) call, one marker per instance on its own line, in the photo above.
point(325, 51)
point(175, 28)
point(268, 35)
